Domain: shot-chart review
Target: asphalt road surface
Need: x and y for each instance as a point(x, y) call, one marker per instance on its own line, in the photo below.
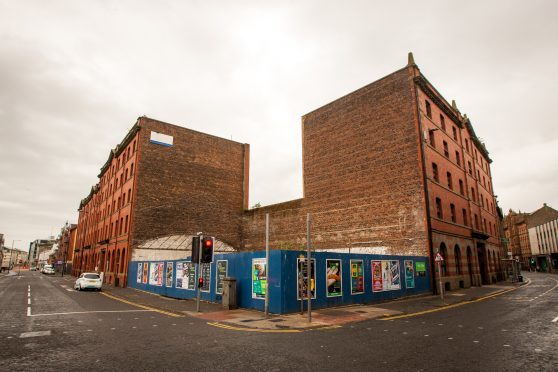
point(46, 325)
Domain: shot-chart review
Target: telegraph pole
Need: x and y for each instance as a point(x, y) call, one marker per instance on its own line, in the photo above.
point(267, 264)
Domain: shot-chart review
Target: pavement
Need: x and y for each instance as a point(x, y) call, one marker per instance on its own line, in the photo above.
point(253, 320)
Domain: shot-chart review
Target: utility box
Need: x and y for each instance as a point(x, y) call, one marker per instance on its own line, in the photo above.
point(229, 293)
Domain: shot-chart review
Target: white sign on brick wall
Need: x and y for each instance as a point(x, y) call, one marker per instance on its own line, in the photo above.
point(161, 139)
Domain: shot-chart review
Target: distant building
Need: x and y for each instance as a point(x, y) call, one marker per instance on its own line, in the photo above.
point(66, 245)
point(37, 249)
point(543, 235)
point(517, 236)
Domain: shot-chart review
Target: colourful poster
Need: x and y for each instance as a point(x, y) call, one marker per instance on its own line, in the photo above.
point(145, 272)
point(395, 276)
point(302, 278)
point(409, 274)
point(334, 276)
point(206, 275)
point(259, 278)
point(377, 284)
point(168, 276)
point(139, 273)
point(420, 268)
point(357, 277)
point(222, 267)
point(185, 275)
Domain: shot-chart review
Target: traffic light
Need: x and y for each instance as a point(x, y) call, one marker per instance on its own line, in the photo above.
point(207, 250)
point(195, 249)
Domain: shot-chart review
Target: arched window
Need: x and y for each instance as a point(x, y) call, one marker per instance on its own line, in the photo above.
point(457, 253)
point(444, 253)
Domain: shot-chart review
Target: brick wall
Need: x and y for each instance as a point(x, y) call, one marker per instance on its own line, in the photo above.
point(198, 184)
point(362, 176)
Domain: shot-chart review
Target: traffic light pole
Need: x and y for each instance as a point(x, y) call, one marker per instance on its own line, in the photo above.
point(267, 264)
point(199, 273)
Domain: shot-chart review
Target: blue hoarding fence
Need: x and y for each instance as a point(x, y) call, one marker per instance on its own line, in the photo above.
point(336, 279)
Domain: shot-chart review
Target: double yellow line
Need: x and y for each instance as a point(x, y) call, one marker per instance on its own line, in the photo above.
point(452, 306)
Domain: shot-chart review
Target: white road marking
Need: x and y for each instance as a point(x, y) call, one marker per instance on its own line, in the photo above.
point(28, 310)
point(154, 325)
point(555, 320)
point(112, 329)
point(69, 290)
point(425, 335)
point(28, 301)
point(34, 334)
point(89, 330)
point(175, 324)
point(9, 337)
point(476, 342)
point(480, 328)
point(538, 350)
point(133, 327)
point(450, 338)
point(91, 312)
point(28, 294)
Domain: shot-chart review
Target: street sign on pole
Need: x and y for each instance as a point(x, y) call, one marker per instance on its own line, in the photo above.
point(439, 260)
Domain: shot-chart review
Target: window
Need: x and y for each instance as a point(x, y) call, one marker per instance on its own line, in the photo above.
point(435, 172)
point(126, 226)
point(464, 212)
point(484, 181)
point(473, 194)
point(454, 133)
point(442, 122)
point(432, 139)
point(457, 158)
point(134, 146)
point(476, 221)
point(126, 177)
point(121, 225)
point(446, 151)
point(457, 254)
point(132, 169)
point(466, 144)
point(439, 213)
point(450, 182)
point(428, 109)
point(484, 225)
point(470, 167)
point(461, 187)
point(452, 210)
point(478, 175)
point(129, 195)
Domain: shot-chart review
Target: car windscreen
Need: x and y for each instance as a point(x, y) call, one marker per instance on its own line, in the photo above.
point(91, 276)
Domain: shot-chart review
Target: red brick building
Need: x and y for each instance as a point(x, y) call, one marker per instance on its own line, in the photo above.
point(162, 180)
point(391, 168)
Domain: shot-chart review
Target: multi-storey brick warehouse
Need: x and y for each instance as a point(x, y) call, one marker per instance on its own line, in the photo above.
point(161, 180)
point(391, 168)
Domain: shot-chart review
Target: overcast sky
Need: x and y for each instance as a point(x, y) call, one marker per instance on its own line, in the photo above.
point(75, 75)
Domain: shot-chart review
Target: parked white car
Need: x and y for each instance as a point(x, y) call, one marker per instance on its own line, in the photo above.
point(48, 269)
point(88, 281)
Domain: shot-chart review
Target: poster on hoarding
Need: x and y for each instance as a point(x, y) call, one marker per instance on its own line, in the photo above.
point(145, 273)
point(156, 273)
point(377, 284)
point(139, 273)
point(409, 274)
point(357, 277)
point(185, 275)
point(259, 278)
point(222, 267)
point(395, 275)
point(420, 268)
point(302, 278)
point(206, 275)
point(168, 277)
point(334, 275)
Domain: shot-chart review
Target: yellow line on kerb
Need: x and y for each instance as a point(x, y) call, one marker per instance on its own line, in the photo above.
point(232, 328)
point(141, 306)
point(452, 306)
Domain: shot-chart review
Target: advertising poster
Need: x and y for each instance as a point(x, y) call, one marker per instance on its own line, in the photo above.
point(357, 277)
point(222, 267)
point(185, 275)
point(302, 278)
point(409, 274)
point(377, 282)
point(395, 276)
point(206, 275)
point(168, 277)
point(139, 273)
point(420, 268)
point(259, 277)
point(156, 273)
point(144, 279)
point(333, 275)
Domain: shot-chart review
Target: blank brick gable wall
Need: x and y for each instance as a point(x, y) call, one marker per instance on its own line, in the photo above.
point(362, 173)
point(362, 176)
point(198, 184)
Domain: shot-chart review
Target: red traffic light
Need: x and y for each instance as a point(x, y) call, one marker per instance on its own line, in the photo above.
point(208, 243)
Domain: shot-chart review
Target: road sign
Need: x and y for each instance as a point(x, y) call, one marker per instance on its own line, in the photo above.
point(439, 257)
point(60, 262)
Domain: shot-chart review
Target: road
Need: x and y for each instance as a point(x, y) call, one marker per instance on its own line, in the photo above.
point(45, 324)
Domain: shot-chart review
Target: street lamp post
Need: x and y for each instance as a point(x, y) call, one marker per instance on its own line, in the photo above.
point(66, 246)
